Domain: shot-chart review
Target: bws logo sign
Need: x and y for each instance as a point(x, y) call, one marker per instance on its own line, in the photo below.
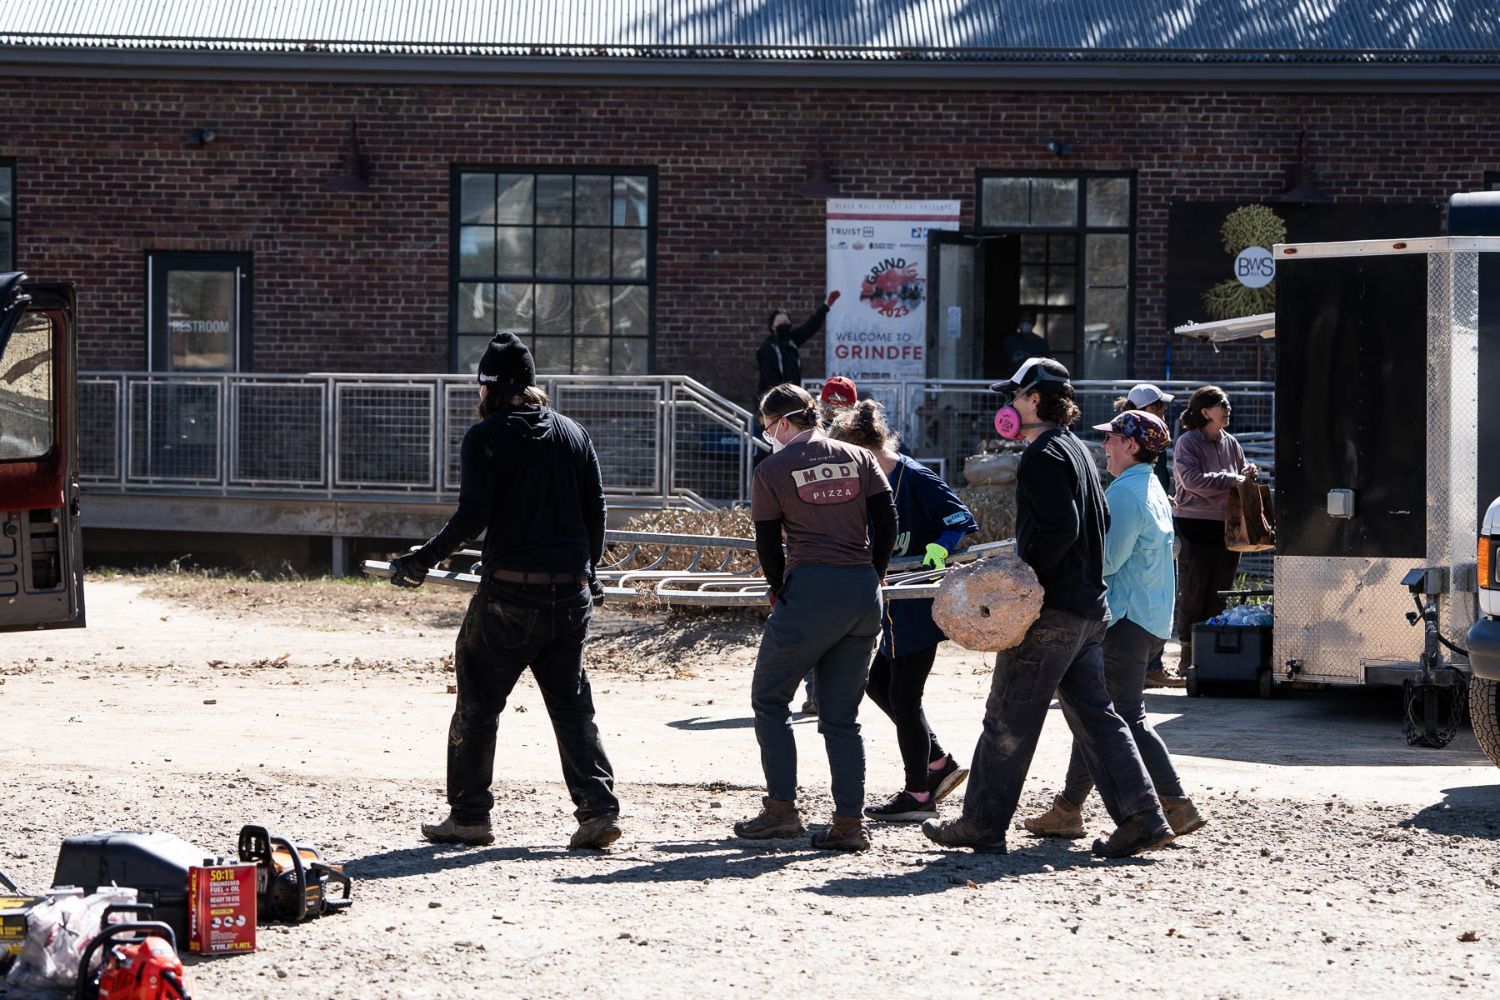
point(829, 483)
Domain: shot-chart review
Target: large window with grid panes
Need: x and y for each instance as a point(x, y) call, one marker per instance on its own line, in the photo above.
point(7, 215)
point(561, 257)
point(1077, 261)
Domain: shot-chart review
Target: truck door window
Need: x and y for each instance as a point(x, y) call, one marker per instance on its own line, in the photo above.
point(27, 429)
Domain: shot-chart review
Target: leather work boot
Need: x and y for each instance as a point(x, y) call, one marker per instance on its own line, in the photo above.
point(1166, 677)
point(596, 834)
point(845, 833)
point(1144, 831)
point(1182, 815)
point(777, 821)
point(452, 831)
point(964, 833)
point(1063, 820)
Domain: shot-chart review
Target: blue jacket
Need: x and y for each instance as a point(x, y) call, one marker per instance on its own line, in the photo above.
point(926, 509)
point(1138, 567)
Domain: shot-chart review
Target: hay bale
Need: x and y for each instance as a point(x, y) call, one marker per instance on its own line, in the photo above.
point(727, 522)
point(988, 605)
point(994, 507)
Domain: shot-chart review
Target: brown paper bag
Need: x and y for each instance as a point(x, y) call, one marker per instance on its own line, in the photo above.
point(1249, 518)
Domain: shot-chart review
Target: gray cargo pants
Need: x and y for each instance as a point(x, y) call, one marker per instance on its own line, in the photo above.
point(827, 620)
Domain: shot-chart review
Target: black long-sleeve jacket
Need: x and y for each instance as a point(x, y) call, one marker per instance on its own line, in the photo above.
point(531, 483)
point(780, 358)
point(1061, 518)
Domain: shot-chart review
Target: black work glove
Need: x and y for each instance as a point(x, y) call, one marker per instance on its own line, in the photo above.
point(596, 589)
point(408, 570)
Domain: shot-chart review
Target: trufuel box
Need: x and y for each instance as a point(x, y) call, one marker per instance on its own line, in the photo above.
point(221, 908)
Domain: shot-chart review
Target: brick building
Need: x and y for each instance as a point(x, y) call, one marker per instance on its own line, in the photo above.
point(377, 188)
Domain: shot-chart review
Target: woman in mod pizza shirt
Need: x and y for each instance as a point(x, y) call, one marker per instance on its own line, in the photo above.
point(832, 505)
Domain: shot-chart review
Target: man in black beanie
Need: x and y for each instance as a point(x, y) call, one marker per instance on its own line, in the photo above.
point(531, 483)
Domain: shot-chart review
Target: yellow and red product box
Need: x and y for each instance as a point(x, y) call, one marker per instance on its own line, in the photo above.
point(221, 909)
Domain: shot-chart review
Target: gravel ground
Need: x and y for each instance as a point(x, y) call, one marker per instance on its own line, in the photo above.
point(1335, 857)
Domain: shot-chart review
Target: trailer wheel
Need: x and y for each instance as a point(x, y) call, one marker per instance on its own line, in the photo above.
point(1190, 683)
point(1484, 713)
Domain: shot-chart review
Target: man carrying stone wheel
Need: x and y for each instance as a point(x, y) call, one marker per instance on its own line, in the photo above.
point(1061, 518)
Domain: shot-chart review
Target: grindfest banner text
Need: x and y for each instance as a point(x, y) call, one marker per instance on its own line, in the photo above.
point(877, 257)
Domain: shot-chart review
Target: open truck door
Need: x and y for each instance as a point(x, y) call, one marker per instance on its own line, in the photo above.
point(41, 555)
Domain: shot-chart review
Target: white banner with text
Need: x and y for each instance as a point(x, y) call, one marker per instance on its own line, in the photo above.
point(877, 260)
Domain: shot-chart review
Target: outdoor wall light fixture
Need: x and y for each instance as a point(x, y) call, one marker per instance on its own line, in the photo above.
point(1059, 148)
point(202, 136)
point(355, 178)
point(1302, 179)
point(818, 183)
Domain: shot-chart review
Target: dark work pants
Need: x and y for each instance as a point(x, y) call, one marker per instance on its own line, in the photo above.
point(1060, 655)
point(508, 628)
point(896, 687)
point(1203, 569)
point(1128, 651)
point(827, 620)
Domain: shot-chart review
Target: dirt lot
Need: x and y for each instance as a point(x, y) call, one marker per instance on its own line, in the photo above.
point(1336, 858)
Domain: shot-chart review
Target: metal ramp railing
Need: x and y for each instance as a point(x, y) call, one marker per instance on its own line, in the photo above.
point(703, 571)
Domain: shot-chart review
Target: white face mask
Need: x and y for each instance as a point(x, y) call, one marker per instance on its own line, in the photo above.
point(770, 433)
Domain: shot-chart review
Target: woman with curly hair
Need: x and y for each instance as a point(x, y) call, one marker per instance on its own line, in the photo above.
point(932, 522)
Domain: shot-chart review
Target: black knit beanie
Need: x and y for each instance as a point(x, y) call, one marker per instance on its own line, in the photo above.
point(507, 365)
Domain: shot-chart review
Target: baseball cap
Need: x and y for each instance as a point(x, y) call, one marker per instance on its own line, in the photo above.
point(1032, 372)
point(839, 391)
point(1149, 431)
point(1145, 394)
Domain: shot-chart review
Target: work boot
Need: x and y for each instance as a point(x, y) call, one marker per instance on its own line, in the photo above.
point(777, 820)
point(945, 779)
point(1144, 831)
point(845, 833)
point(452, 831)
point(1166, 677)
point(963, 832)
point(1182, 815)
point(596, 834)
point(1063, 820)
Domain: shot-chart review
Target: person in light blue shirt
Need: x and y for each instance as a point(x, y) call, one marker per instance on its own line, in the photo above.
point(1142, 584)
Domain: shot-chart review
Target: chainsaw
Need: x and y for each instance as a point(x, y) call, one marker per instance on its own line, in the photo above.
point(292, 881)
point(139, 963)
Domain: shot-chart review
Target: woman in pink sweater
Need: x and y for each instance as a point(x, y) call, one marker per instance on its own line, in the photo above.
point(1207, 463)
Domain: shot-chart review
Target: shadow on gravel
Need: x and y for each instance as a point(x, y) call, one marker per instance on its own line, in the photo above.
point(1470, 811)
point(703, 723)
point(929, 874)
point(430, 858)
point(706, 859)
point(1337, 727)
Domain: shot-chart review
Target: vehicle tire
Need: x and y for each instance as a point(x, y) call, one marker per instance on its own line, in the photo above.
point(1265, 684)
point(1190, 683)
point(1484, 714)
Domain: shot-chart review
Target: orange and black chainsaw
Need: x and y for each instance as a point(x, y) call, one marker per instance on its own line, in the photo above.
point(139, 963)
point(292, 881)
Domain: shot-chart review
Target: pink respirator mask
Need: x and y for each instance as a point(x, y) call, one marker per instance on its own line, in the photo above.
point(1008, 423)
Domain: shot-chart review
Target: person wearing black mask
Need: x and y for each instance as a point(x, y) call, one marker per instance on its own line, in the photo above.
point(531, 483)
point(780, 354)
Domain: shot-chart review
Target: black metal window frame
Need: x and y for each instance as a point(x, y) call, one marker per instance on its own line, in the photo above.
point(1081, 229)
point(456, 275)
point(8, 220)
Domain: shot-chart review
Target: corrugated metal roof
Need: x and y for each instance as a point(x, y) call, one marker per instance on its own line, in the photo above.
point(1322, 30)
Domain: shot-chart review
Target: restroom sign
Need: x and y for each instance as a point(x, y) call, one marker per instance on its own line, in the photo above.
point(1254, 267)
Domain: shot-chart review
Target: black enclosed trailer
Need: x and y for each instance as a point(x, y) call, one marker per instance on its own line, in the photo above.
point(1387, 448)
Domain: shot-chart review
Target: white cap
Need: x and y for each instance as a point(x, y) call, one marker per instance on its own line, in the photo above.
point(1145, 394)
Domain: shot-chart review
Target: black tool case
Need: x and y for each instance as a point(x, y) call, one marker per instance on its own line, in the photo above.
point(154, 864)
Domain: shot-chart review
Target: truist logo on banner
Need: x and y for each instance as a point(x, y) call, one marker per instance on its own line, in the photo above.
point(893, 287)
point(831, 482)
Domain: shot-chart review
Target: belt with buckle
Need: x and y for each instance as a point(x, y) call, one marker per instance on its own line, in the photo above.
point(523, 577)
